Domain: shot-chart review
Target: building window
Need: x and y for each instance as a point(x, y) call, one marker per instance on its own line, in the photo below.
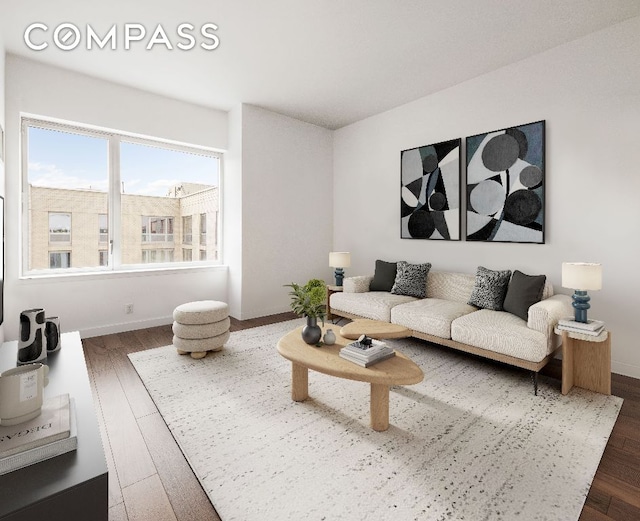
point(59, 259)
point(157, 229)
point(104, 258)
point(60, 227)
point(187, 230)
point(136, 200)
point(203, 255)
point(159, 255)
point(103, 226)
point(203, 229)
point(187, 254)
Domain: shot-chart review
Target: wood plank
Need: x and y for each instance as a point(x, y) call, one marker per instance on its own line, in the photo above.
point(622, 510)
point(132, 460)
point(615, 487)
point(139, 400)
point(627, 427)
point(146, 500)
point(598, 500)
point(591, 514)
point(97, 356)
point(622, 465)
point(631, 408)
point(632, 446)
point(189, 501)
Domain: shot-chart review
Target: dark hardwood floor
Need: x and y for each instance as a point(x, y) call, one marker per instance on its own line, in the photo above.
point(149, 478)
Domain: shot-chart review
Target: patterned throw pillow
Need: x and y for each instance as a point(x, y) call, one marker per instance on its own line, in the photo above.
point(490, 289)
point(411, 279)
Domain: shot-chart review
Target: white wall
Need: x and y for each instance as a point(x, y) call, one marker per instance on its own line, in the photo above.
point(2, 124)
point(588, 91)
point(93, 304)
point(286, 207)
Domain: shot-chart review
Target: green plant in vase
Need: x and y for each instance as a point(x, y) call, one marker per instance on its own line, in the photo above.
point(309, 300)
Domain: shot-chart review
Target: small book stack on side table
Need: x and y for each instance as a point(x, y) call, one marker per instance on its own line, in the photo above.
point(586, 356)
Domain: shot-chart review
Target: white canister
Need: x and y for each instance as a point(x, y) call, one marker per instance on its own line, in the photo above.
point(329, 337)
point(22, 392)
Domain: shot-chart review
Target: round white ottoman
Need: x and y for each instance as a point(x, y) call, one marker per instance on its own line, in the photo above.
point(200, 327)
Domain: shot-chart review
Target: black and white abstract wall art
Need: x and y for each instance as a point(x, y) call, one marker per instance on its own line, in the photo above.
point(506, 185)
point(430, 192)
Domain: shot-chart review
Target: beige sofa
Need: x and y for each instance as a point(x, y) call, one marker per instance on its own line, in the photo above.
point(445, 318)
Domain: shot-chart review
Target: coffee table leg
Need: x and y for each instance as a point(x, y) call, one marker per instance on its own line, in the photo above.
point(299, 382)
point(379, 407)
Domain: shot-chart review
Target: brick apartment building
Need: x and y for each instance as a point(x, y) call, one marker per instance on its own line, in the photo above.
point(70, 228)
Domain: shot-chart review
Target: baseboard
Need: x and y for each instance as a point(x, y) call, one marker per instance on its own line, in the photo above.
point(125, 326)
point(625, 369)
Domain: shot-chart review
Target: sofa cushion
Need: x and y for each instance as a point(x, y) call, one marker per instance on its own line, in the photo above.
point(431, 315)
point(411, 279)
point(500, 332)
point(375, 305)
point(450, 286)
point(523, 292)
point(490, 288)
point(384, 276)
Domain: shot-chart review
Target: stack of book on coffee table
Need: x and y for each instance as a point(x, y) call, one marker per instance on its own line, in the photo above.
point(366, 352)
point(590, 327)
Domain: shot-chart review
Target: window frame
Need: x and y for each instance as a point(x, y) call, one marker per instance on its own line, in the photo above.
point(114, 139)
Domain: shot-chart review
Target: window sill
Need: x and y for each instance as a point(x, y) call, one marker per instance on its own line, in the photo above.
point(123, 273)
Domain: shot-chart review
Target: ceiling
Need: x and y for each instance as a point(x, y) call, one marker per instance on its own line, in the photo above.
point(328, 62)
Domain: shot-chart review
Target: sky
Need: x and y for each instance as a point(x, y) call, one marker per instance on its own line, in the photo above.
point(64, 160)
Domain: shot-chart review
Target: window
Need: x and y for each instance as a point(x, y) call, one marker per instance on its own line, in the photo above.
point(203, 229)
point(59, 227)
point(103, 229)
point(158, 255)
point(59, 259)
point(187, 254)
point(203, 255)
point(187, 231)
point(157, 229)
point(133, 190)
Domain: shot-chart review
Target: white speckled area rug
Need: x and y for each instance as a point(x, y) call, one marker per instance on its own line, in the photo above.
point(470, 442)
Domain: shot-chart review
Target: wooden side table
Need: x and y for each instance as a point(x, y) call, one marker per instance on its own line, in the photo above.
point(331, 289)
point(586, 361)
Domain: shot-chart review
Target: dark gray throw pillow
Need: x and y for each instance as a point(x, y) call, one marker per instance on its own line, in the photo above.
point(384, 276)
point(411, 279)
point(523, 292)
point(490, 288)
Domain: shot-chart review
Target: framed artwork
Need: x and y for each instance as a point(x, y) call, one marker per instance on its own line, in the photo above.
point(430, 192)
point(1, 144)
point(506, 185)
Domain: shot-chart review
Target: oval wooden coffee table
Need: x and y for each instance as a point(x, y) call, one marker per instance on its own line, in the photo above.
point(374, 329)
point(398, 370)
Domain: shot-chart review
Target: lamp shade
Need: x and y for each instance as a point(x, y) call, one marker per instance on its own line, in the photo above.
point(582, 275)
point(339, 259)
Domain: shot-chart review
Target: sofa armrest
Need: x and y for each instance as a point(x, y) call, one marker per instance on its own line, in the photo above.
point(544, 316)
point(358, 284)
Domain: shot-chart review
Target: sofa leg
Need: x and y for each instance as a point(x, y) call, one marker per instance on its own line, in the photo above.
point(534, 379)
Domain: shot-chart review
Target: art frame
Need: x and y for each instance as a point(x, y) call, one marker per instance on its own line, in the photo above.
point(505, 185)
point(430, 178)
point(1, 144)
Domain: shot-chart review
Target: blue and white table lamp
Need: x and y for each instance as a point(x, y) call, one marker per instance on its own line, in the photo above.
point(339, 260)
point(581, 276)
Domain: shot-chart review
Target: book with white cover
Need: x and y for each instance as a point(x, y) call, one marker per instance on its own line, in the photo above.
point(589, 325)
point(52, 424)
point(53, 446)
point(595, 332)
point(367, 363)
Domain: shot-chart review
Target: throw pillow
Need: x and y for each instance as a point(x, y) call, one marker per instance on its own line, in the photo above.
point(490, 288)
point(411, 279)
point(523, 292)
point(384, 276)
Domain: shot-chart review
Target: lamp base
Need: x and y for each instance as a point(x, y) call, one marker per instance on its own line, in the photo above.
point(339, 274)
point(581, 304)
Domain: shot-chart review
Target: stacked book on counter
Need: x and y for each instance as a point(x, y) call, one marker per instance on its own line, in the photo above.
point(366, 351)
point(51, 433)
point(590, 327)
